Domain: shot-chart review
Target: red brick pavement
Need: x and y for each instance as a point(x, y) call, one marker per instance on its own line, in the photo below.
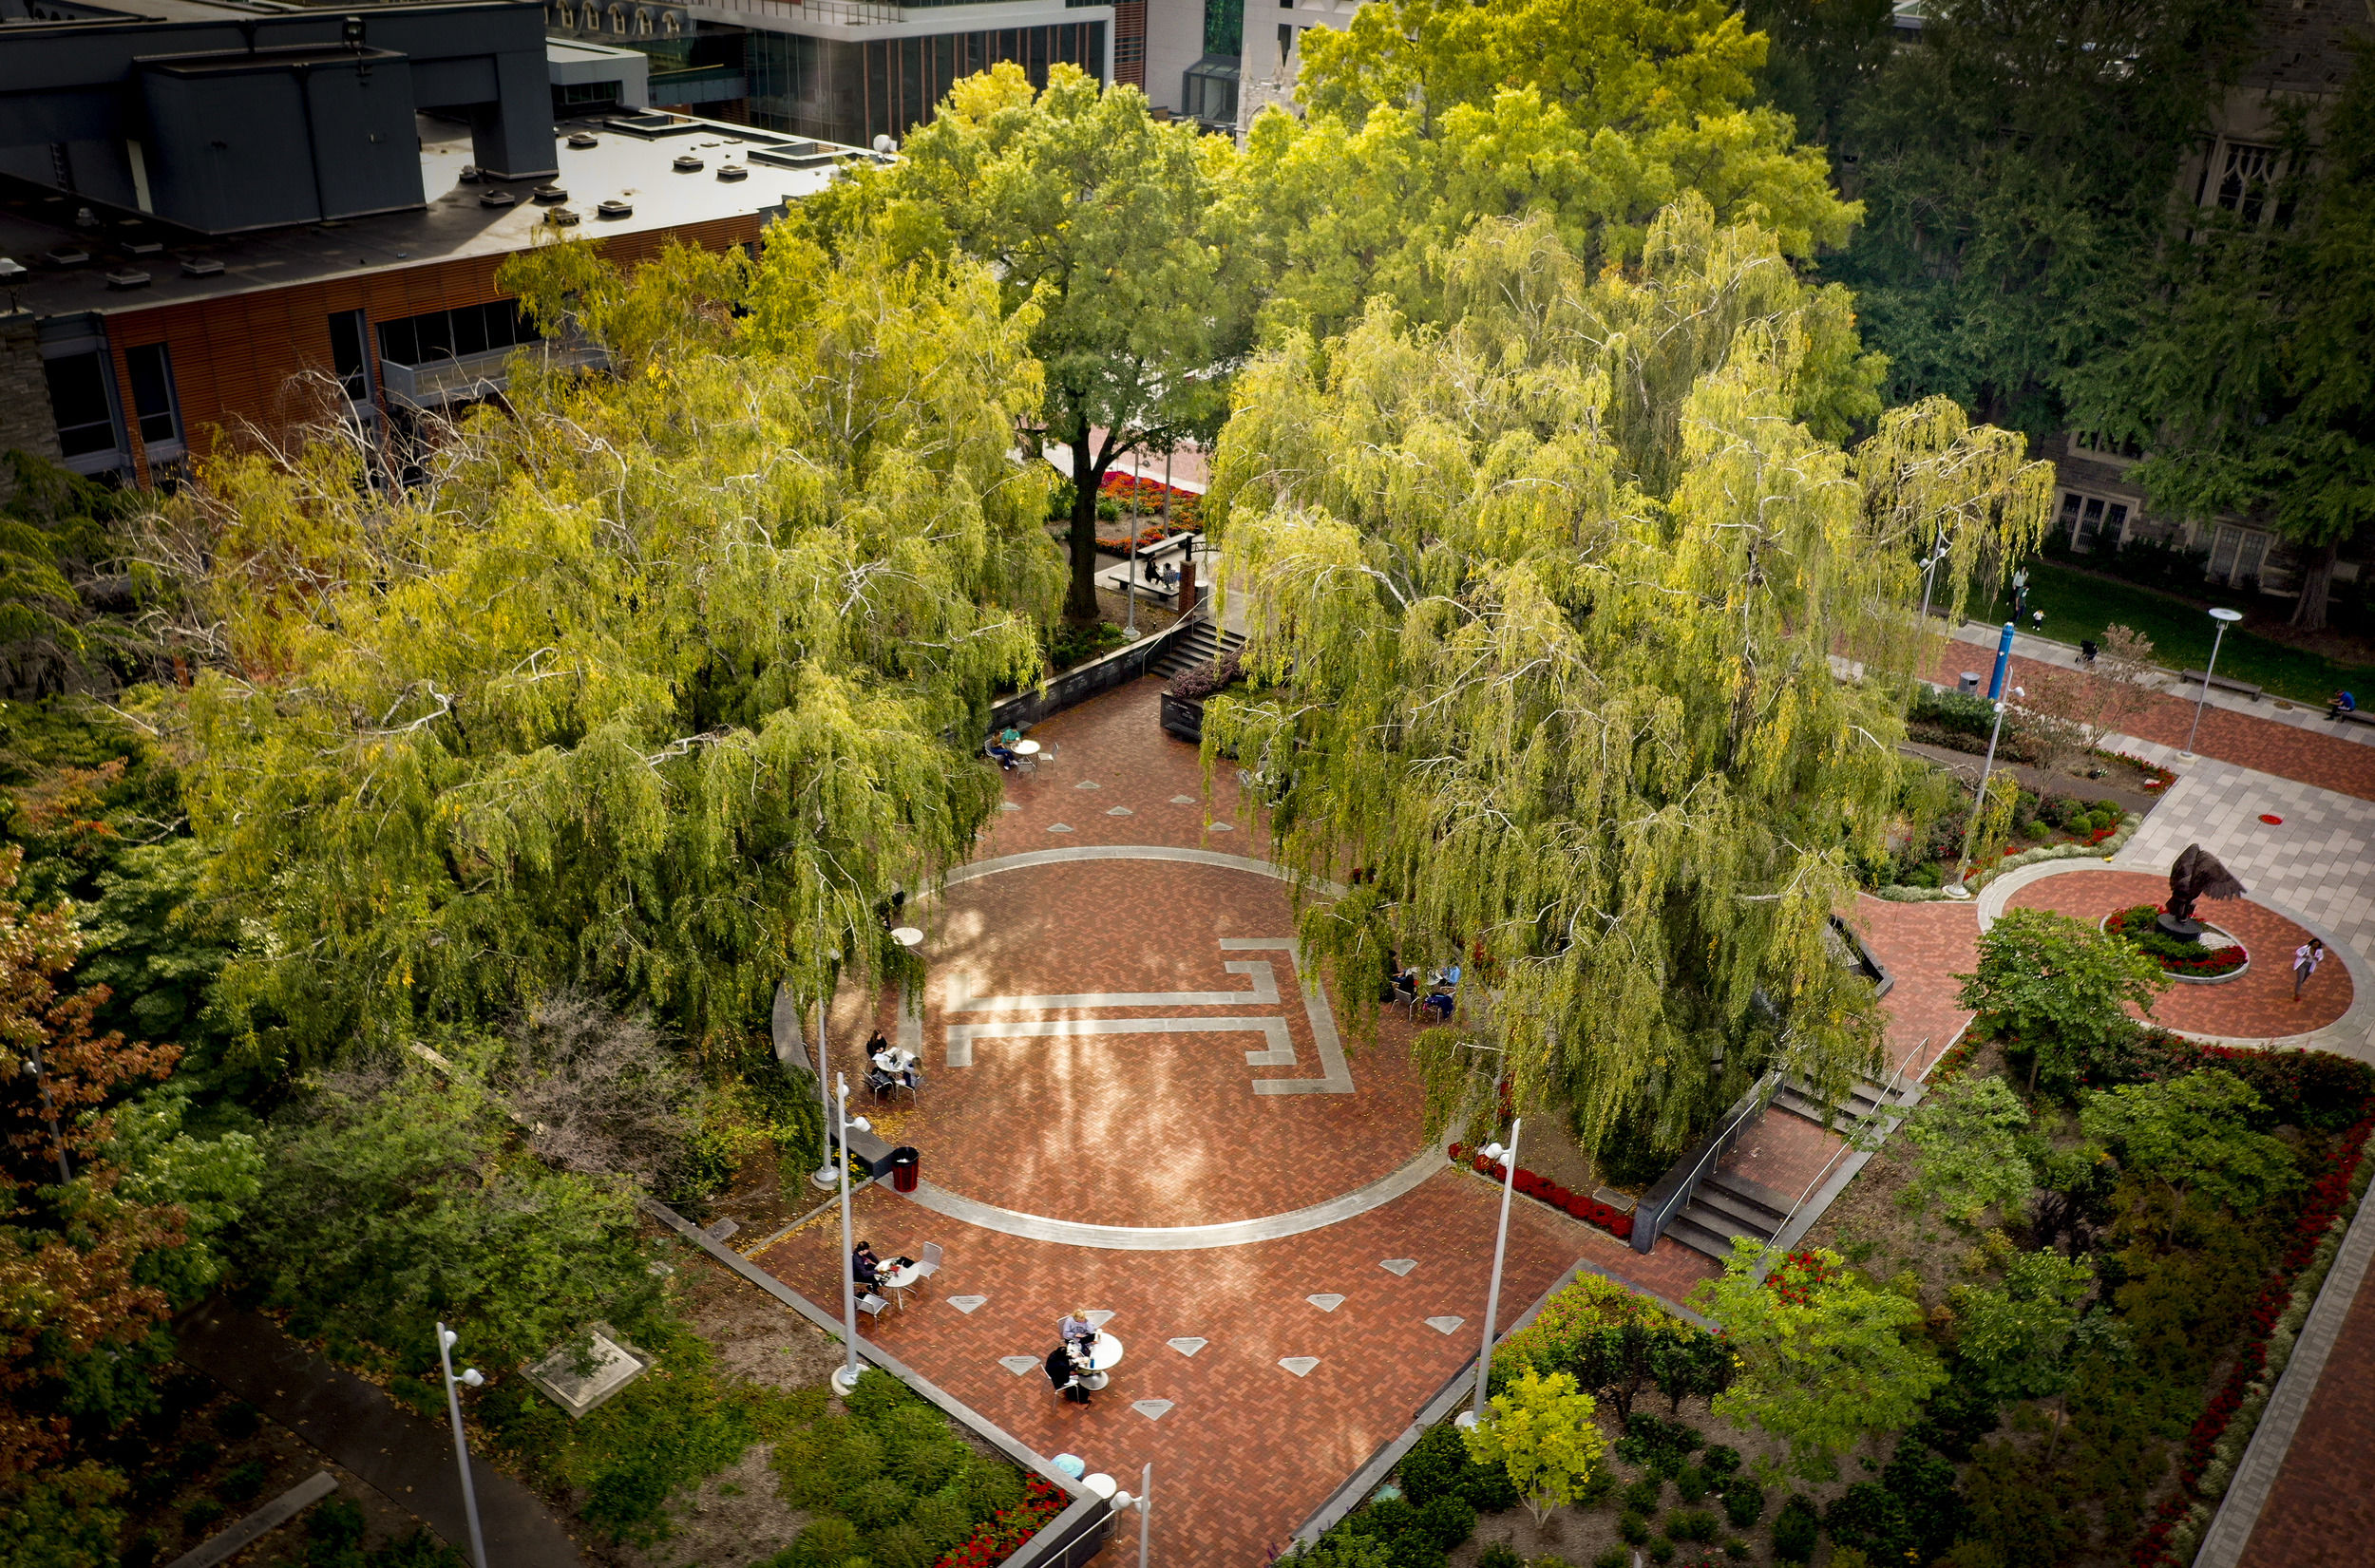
point(2325, 761)
point(2320, 1512)
point(1248, 1450)
point(2259, 1005)
point(1140, 1129)
point(1115, 744)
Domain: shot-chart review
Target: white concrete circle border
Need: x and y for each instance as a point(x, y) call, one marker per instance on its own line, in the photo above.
point(2352, 1035)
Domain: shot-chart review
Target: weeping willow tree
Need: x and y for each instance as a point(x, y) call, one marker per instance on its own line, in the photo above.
point(658, 682)
point(1587, 658)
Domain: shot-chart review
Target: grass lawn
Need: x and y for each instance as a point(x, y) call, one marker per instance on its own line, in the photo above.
point(2078, 606)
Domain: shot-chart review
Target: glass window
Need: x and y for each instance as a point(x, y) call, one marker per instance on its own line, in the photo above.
point(1224, 25)
point(345, 354)
point(78, 398)
point(151, 374)
point(399, 341)
point(470, 331)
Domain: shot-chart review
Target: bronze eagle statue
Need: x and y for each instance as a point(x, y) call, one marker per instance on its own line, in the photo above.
point(2198, 875)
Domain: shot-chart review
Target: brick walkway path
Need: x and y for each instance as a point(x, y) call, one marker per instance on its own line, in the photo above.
point(2259, 1006)
point(1164, 1128)
point(2326, 761)
point(2320, 1513)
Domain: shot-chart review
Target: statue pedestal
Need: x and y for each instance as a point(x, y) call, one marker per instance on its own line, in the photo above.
point(2187, 931)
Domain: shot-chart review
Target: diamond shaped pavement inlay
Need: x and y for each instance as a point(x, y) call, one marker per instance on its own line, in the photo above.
point(1445, 1325)
point(1398, 1265)
point(1188, 1345)
point(1223, 827)
point(1019, 1363)
point(1151, 1409)
point(1088, 784)
point(1099, 1318)
point(1326, 1303)
point(968, 1303)
point(1119, 811)
point(1008, 805)
point(1300, 1365)
point(1183, 800)
point(1059, 828)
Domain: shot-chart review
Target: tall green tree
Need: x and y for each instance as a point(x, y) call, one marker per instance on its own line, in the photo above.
point(1110, 228)
point(1967, 1134)
point(2060, 987)
point(2015, 168)
point(2251, 380)
point(1426, 118)
point(1825, 1358)
point(657, 685)
point(1546, 601)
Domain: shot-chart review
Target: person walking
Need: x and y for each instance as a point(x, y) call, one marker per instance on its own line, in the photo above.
point(2305, 961)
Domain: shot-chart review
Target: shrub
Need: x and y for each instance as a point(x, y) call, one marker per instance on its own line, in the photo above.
point(1434, 1465)
point(943, 1520)
point(1499, 1554)
point(241, 1482)
point(1690, 1484)
point(1691, 1524)
point(1448, 1520)
point(878, 1504)
point(878, 1397)
point(197, 1515)
point(827, 1542)
point(195, 1457)
point(1661, 1550)
point(1795, 1529)
point(1870, 1518)
point(239, 1421)
point(1633, 1527)
point(1615, 1557)
point(925, 1464)
point(1642, 1496)
point(1720, 1459)
point(1596, 1488)
point(901, 1546)
point(1736, 1550)
point(1658, 1446)
point(1488, 1487)
point(1743, 1502)
point(991, 1488)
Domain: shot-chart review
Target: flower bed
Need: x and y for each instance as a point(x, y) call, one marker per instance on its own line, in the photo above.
point(2184, 959)
point(1145, 496)
point(1582, 1205)
point(996, 1539)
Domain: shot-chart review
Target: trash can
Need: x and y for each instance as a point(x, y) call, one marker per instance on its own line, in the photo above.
point(1971, 683)
point(904, 1163)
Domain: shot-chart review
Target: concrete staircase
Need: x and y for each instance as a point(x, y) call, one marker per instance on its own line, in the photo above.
point(1201, 643)
point(1724, 1207)
point(1867, 1102)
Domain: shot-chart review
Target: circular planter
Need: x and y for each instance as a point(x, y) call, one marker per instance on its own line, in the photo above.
point(2180, 976)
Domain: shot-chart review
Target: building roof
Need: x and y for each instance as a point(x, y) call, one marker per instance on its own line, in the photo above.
point(632, 160)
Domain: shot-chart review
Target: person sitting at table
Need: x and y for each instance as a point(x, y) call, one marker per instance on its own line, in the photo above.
point(1405, 981)
point(1064, 1375)
point(866, 1269)
point(1000, 753)
point(1076, 1329)
point(895, 1063)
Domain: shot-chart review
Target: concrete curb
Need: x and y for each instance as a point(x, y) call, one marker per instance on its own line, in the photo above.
point(271, 1517)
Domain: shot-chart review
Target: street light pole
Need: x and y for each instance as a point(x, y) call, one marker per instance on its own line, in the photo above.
point(2225, 619)
point(822, 1175)
point(845, 1378)
point(1930, 571)
point(460, 1447)
point(1508, 1157)
point(1130, 572)
point(1957, 888)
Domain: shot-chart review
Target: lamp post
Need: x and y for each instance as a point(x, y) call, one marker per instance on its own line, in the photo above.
point(846, 1375)
point(1130, 572)
point(1144, 1502)
point(1508, 1161)
point(823, 1176)
point(1938, 553)
point(460, 1447)
point(2225, 619)
point(1957, 888)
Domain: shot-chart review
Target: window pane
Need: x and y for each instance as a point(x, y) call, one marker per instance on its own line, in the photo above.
point(399, 342)
point(346, 353)
point(152, 391)
point(469, 331)
point(78, 397)
point(435, 331)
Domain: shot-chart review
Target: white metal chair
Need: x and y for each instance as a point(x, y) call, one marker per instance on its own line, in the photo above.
point(929, 1264)
point(872, 1305)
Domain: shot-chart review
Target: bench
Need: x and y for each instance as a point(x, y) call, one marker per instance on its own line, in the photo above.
point(871, 1154)
point(2193, 680)
point(1175, 551)
point(2357, 715)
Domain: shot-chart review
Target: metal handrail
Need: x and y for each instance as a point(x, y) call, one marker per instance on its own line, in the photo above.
point(1886, 1090)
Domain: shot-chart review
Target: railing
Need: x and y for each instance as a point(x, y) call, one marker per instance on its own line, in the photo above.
point(1661, 1203)
point(470, 376)
point(1854, 1144)
point(847, 14)
point(1083, 681)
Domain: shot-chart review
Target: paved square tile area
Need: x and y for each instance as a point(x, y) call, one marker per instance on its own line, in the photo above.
point(1246, 1449)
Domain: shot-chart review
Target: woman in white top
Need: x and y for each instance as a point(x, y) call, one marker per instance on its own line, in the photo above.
point(895, 1062)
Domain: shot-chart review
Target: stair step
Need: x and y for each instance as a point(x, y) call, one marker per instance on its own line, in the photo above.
point(1748, 1217)
point(1698, 1237)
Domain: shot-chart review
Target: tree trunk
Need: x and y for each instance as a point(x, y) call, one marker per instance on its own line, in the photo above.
point(1080, 601)
point(2317, 577)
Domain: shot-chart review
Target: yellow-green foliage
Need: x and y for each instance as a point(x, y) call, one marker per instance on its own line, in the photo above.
point(1550, 601)
point(659, 682)
point(1543, 1433)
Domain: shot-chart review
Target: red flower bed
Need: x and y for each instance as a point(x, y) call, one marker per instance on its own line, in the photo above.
point(1582, 1205)
point(1798, 1276)
point(2326, 1197)
point(1146, 494)
point(999, 1538)
point(2134, 927)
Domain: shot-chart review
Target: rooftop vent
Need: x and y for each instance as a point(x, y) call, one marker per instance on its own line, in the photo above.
point(562, 217)
point(146, 247)
point(469, 174)
point(202, 266)
point(497, 199)
point(687, 164)
point(127, 277)
point(616, 208)
point(550, 196)
point(733, 171)
point(585, 138)
point(64, 256)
